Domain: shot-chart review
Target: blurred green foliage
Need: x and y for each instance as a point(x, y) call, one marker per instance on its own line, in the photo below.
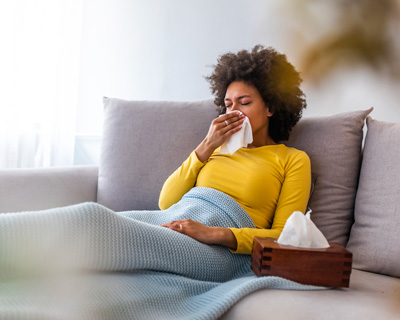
point(330, 34)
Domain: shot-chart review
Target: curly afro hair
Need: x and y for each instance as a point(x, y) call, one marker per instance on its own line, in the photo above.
point(272, 75)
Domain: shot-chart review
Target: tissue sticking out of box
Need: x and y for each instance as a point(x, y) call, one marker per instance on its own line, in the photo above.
point(300, 231)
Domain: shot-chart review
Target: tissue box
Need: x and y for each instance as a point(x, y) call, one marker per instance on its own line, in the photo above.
point(328, 267)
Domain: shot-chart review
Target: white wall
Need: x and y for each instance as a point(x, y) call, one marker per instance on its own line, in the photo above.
point(161, 50)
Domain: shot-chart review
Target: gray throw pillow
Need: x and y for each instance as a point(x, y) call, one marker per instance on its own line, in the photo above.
point(143, 143)
point(375, 235)
point(334, 145)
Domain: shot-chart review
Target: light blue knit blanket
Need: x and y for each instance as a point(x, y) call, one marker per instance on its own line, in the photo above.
point(88, 262)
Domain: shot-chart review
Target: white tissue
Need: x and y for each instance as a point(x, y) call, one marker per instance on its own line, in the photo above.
point(239, 139)
point(300, 231)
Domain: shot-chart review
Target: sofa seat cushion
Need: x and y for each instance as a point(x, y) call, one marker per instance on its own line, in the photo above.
point(375, 235)
point(370, 296)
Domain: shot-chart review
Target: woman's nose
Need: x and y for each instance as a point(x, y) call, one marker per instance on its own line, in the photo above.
point(235, 107)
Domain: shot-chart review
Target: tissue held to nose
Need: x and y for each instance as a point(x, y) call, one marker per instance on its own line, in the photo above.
point(300, 231)
point(240, 139)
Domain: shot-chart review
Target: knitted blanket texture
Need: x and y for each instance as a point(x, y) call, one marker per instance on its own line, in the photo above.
point(88, 262)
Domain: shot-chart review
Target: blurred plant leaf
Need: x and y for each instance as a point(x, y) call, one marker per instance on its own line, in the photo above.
point(362, 33)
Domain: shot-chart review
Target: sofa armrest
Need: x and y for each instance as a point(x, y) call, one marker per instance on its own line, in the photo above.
point(44, 188)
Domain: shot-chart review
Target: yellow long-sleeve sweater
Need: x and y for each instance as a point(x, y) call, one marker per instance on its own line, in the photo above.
point(269, 182)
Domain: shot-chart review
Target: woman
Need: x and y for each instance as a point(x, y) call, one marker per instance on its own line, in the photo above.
point(269, 180)
point(124, 263)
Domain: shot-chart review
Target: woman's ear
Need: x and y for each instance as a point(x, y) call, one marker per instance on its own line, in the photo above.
point(270, 113)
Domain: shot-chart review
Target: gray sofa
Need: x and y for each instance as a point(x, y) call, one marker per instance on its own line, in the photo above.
point(355, 199)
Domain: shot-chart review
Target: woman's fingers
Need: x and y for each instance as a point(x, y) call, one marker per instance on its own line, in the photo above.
point(191, 228)
point(230, 123)
point(221, 129)
point(176, 225)
point(232, 120)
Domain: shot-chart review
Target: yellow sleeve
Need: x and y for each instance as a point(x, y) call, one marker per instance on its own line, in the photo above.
point(294, 196)
point(180, 182)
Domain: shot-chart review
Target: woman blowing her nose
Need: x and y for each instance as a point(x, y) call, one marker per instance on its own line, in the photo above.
point(267, 179)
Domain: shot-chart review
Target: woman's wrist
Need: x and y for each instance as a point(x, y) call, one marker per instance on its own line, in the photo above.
point(204, 151)
point(224, 237)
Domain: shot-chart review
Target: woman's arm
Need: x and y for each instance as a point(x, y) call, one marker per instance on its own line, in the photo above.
point(180, 182)
point(200, 232)
point(294, 196)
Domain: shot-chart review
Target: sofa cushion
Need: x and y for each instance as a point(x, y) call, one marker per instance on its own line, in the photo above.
point(333, 144)
point(143, 143)
point(45, 188)
point(370, 296)
point(375, 235)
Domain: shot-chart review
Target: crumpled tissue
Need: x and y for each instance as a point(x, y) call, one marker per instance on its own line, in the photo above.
point(300, 231)
point(239, 139)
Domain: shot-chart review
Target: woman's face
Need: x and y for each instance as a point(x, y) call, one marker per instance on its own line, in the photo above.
point(246, 98)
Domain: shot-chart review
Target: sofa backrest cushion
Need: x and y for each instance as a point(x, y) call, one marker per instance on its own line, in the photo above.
point(143, 143)
point(375, 235)
point(334, 145)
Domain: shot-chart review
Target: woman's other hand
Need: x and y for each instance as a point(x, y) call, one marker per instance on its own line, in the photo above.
point(221, 129)
point(202, 233)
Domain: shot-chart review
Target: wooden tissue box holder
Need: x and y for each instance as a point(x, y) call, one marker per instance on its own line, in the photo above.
point(329, 267)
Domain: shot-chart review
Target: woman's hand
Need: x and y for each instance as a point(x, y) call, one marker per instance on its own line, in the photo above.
point(205, 234)
point(221, 129)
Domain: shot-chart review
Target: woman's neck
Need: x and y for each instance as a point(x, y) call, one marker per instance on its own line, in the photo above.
point(261, 142)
